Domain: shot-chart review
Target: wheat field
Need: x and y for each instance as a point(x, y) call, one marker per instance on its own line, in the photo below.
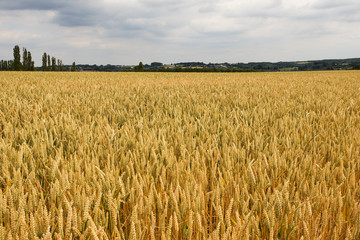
point(180, 155)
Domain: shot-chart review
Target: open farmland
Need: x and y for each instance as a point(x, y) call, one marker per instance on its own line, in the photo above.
point(180, 155)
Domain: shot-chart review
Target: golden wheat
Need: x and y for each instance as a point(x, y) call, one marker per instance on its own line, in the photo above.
point(180, 155)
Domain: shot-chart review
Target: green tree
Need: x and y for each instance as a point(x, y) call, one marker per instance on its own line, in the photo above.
point(10, 64)
point(60, 66)
point(356, 67)
point(53, 64)
point(49, 63)
point(17, 59)
point(140, 67)
point(73, 67)
point(30, 62)
point(25, 64)
point(44, 62)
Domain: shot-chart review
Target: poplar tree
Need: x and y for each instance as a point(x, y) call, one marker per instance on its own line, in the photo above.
point(53, 64)
point(44, 60)
point(25, 63)
point(30, 62)
point(59, 65)
point(17, 59)
point(49, 63)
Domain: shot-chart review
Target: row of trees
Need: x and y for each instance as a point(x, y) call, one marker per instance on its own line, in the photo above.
point(49, 63)
point(6, 65)
point(141, 68)
point(27, 64)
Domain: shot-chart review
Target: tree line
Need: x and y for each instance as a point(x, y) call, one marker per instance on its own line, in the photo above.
point(142, 68)
point(49, 63)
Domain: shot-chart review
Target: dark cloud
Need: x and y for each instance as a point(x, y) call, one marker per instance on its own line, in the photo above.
point(67, 13)
point(32, 5)
point(70, 17)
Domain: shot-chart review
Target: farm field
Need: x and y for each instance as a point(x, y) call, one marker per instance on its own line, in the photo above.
point(180, 155)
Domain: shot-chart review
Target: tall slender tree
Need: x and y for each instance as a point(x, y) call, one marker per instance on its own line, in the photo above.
point(53, 64)
point(59, 65)
point(25, 63)
point(30, 62)
point(44, 62)
point(17, 59)
point(49, 63)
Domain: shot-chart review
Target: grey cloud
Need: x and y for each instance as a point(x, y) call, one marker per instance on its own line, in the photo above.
point(172, 5)
point(67, 13)
point(31, 5)
point(191, 28)
point(71, 17)
point(79, 13)
point(68, 20)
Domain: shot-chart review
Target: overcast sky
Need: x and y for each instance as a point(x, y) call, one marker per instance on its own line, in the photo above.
point(170, 31)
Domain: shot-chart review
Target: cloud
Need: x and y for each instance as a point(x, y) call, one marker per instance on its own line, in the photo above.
point(70, 17)
point(67, 12)
point(328, 4)
point(31, 5)
point(121, 31)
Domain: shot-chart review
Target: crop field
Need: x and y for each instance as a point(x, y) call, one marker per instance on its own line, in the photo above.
point(180, 155)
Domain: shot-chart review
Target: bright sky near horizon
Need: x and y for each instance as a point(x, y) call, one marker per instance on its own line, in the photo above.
point(170, 31)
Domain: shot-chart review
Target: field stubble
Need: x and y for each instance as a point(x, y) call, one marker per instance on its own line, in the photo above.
point(180, 156)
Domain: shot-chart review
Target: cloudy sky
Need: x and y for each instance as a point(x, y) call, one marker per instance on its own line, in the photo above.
point(169, 31)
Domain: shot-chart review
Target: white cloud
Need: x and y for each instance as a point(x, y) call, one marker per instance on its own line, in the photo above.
point(125, 32)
